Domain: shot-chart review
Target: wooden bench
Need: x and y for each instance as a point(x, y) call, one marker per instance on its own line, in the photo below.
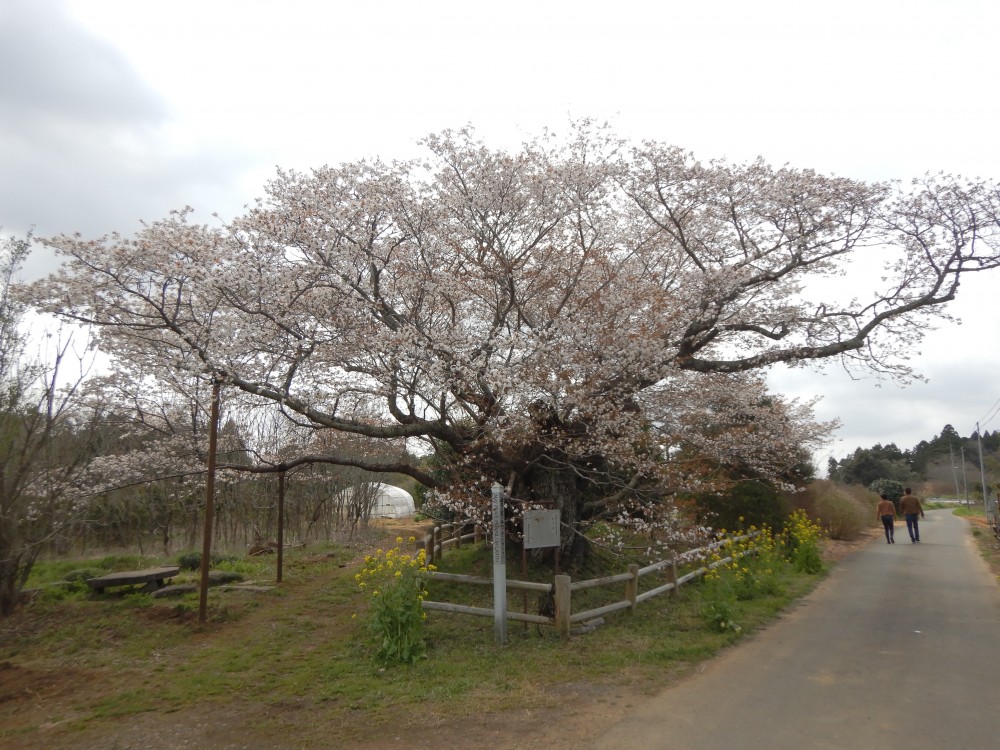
point(154, 578)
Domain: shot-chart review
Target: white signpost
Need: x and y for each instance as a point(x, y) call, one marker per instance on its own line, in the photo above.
point(499, 567)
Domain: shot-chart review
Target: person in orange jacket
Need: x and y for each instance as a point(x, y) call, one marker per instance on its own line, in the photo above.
point(886, 513)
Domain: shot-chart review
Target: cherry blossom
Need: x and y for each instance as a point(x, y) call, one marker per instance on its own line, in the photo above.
point(585, 320)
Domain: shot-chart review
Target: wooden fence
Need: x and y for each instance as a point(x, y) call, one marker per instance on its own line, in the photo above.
point(562, 588)
point(447, 536)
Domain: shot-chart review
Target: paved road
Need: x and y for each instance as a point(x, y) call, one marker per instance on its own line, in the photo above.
point(898, 648)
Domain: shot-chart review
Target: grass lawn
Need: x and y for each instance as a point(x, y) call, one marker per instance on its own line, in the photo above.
point(290, 667)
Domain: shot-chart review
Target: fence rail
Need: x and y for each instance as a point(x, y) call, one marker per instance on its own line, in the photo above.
point(562, 588)
point(448, 535)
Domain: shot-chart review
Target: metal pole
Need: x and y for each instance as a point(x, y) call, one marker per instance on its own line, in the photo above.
point(499, 567)
point(982, 467)
point(954, 469)
point(206, 546)
point(965, 479)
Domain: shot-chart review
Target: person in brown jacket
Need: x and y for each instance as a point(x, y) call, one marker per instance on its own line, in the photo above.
point(886, 513)
point(910, 507)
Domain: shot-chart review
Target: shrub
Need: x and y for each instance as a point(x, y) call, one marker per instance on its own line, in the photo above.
point(61, 591)
point(192, 560)
point(754, 568)
point(397, 586)
point(718, 615)
point(189, 561)
point(802, 542)
point(891, 488)
point(745, 503)
point(249, 567)
point(843, 511)
point(81, 575)
point(121, 562)
point(753, 571)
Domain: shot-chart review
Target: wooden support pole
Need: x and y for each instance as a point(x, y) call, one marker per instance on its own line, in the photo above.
point(524, 576)
point(206, 545)
point(632, 587)
point(563, 604)
point(672, 577)
point(281, 524)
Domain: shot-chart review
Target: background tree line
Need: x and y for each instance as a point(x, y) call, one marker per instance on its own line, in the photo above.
point(947, 464)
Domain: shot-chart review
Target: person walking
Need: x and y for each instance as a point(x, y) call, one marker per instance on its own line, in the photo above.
point(910, 507)
point(886, 513)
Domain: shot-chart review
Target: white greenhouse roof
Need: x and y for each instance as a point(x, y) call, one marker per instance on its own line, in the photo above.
point(393, 502)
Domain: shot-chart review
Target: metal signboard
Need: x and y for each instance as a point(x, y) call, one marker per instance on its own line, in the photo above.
point(541, 528)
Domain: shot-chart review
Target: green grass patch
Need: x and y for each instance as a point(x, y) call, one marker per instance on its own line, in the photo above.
point(974, 511)
point(50, 571)
point(304, 643)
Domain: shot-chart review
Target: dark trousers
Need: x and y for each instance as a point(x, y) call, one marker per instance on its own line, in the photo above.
point(912, 526)
point(890, 527)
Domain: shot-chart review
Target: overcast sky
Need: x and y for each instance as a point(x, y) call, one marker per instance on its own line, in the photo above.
point(116, 111)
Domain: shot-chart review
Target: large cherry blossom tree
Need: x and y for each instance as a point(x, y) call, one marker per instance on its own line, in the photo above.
point(586, 320)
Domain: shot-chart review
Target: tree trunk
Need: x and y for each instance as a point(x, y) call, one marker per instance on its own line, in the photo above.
point(558, 488)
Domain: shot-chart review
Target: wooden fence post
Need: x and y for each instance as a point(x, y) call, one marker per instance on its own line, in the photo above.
point(632, 587)
point(672, 577)
point(563, 604)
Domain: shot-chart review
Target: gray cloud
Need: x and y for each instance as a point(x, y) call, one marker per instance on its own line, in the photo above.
point(82, 143)
point(61, 71)
point(954, 391)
